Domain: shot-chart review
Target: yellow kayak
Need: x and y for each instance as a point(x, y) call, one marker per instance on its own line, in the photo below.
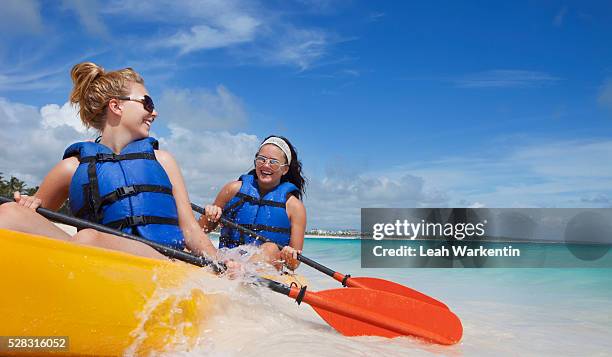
point(106, 302)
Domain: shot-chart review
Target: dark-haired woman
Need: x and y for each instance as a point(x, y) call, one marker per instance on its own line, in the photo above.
point(267, 200)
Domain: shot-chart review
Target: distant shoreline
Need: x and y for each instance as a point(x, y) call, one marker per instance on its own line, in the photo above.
point(315, 236)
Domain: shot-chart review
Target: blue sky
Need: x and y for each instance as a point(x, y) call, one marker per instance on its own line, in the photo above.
point(390, 104)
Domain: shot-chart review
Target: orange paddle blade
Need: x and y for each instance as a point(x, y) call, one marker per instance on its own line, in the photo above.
point(391, 287)
point(365, 312)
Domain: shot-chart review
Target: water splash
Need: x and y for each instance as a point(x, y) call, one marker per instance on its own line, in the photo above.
point(241, 318)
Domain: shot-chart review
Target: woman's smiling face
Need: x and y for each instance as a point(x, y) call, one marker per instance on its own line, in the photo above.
point(134, 116)
point(267, 174)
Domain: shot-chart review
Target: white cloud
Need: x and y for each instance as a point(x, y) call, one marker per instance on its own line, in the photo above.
point(335, 201)
point(87, 12)
point(528, 174)
point(566, 159)
point(54, 116)
point(187, 11)
point(598, 199)
point(301, 47)
point(224, 34)
point(543, 174)
point(43, 70)
point(476, 205)
point(202, 109)
point(195, 25)
point(29, 146)
point(209, 160)
point(26, 80)
point(21, 16)
point(249, 30)
point(505, 78)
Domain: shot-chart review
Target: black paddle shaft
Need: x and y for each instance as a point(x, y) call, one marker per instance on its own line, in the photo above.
point(167, 251)
point(259, 237)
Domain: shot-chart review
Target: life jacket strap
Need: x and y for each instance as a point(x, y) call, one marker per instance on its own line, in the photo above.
point(132, 190)
point(231, 212)
point(260, 202)
point(140, 221)
point(233, 207)
point(262, 227)
point(104, 157)
point(229, 241)
point(92, 190)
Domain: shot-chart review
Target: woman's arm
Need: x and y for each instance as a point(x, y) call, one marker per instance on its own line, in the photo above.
point(53, 191)
point(297, 216)
point(195, 239)
point(210, 220)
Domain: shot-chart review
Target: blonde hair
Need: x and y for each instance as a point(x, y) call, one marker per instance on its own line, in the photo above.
point(94, 88)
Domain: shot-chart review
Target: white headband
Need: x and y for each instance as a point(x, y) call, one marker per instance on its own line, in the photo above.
point(281, 144)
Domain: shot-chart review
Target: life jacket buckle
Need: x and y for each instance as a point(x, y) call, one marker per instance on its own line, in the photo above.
point(125, 191)
point(106, 157)
point(135, 221)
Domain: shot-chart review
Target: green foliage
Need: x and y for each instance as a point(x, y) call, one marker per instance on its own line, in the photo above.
point(7, 187)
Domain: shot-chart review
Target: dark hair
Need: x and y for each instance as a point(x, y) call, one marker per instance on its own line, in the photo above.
point(294, 175)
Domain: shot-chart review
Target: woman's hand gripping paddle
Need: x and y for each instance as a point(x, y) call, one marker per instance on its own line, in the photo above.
point(346, 280)
point(352, 312)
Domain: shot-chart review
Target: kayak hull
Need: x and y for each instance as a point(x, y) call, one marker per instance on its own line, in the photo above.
point(106, 302)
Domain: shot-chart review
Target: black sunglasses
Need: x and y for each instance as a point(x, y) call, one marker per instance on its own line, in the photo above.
point(146, 101)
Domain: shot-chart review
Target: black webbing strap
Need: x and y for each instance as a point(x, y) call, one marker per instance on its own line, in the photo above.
point(93, 193)
point(132, 190)
point(259, 202)
point(262, 227)
point(140, 221)
point(231, 212)
point(301, 294)
point(253, 227)
point(234, 205)
point(346, 277)
point(103, 157)
point(83, 212)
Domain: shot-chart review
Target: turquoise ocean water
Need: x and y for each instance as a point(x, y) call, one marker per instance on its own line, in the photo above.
point(504, 311)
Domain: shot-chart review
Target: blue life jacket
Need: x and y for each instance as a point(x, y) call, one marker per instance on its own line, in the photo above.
point(129, 191)
point(266, 215)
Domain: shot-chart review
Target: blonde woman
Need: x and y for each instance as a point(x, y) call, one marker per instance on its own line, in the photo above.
point(121, 180)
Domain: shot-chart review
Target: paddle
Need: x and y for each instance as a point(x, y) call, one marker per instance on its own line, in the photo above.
point(82, 224)
point(352, 312)
point(346, 280)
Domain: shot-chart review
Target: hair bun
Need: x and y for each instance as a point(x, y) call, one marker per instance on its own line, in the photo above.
point(83, 74)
